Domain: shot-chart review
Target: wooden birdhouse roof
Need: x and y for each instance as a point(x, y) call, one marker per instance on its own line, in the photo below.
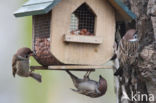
point(36, 7)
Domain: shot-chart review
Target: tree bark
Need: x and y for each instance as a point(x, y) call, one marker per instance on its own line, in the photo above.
point(141, 77)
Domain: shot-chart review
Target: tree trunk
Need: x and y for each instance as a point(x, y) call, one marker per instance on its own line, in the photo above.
point(140, 84)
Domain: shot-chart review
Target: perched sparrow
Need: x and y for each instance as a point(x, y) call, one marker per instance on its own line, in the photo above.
point(127, 50)
point(89, 87)
point(20, 64)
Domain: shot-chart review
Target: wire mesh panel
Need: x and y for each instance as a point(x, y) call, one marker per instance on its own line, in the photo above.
point(74, 22)
point(41, 40)
point(41, 25)
point(83, 21)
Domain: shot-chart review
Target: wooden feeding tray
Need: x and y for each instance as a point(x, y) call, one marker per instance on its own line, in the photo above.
point(108, 65)
point(83, 39)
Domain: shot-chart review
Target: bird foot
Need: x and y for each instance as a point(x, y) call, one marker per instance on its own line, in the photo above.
point(78, 91)
point(86, 76)
point(74, 90)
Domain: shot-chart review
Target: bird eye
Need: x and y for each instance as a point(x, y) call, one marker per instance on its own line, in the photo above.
point(135, 36)
point(26, 56)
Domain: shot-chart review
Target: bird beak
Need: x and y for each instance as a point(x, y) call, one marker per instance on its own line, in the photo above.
point(100, 77)
point(33, 54)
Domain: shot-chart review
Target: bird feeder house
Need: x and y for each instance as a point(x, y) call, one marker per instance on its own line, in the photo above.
point(79, 32)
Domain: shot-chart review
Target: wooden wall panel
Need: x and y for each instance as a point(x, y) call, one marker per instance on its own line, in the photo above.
point(79, 53)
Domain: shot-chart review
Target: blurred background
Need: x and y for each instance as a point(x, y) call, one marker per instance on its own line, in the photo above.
point(55, 88)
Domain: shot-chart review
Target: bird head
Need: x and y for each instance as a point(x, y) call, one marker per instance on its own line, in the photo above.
point(102, 85)
point(131, 36)
point(25, 52)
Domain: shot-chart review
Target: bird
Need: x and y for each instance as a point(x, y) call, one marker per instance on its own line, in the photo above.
point(20, 64)
point(89, 87)
point(127, 50)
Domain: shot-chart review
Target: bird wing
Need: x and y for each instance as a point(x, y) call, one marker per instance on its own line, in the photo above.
point(14, 69)
point(122, 51)
point(123, 56)
point(127, 51)
point(92, 94)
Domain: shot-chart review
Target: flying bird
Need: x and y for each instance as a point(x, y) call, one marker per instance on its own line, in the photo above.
point(20, 64)
point(127, 50)
point(89, 87)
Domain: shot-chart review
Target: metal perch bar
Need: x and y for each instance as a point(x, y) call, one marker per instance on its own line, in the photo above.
point(72, 67)
point(59, 68)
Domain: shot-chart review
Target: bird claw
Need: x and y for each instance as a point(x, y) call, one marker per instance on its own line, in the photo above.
point(79, 91)
point(86, 76)
point(74, 90)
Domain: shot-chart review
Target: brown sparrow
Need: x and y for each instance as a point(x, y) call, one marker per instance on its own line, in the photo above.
point(127, 50)
point(20, 64)
point(89, 87)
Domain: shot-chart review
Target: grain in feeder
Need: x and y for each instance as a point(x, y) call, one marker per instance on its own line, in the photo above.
point(41, 40)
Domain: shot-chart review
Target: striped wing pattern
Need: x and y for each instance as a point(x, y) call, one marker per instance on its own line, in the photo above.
point(127, 52)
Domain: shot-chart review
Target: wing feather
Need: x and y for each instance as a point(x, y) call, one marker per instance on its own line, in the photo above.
point(14, 61)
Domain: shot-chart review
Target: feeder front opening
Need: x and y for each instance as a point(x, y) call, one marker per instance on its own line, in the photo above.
point(83, 21)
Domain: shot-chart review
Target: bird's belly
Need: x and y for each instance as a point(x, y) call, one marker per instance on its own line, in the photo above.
point(22, 68)
point(87, 86)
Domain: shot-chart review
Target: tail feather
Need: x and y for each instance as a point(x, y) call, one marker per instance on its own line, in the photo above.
point(36, 77)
